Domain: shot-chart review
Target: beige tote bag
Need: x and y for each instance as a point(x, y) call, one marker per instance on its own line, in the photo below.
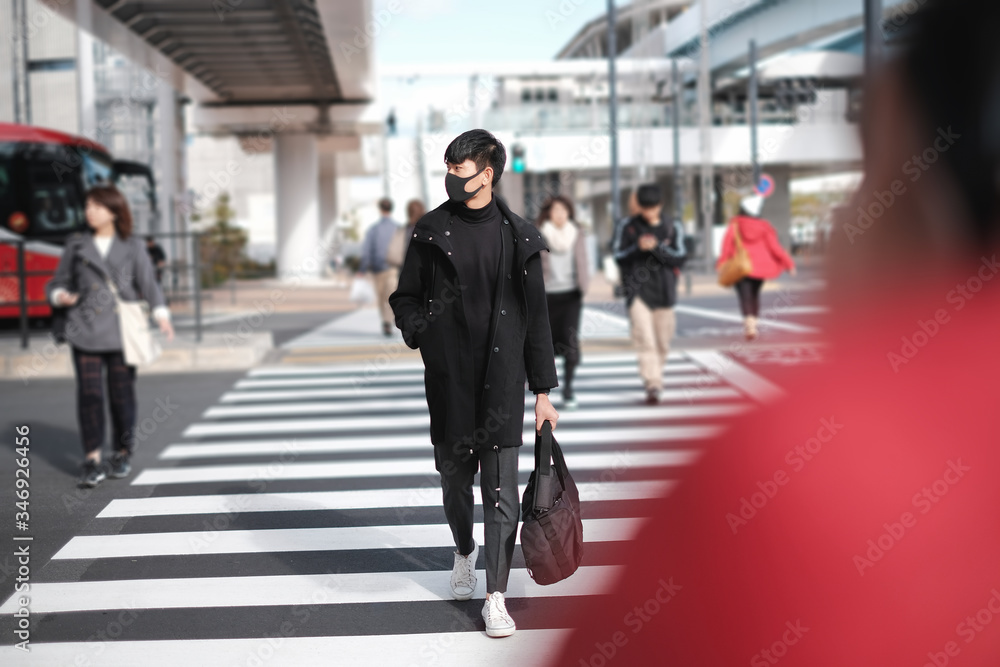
point(138, 345)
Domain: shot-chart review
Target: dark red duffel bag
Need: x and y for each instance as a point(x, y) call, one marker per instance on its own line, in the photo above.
point(552, 528)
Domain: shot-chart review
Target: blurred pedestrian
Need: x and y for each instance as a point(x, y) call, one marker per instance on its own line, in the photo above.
point(471, 298)
point(401, 239)
point(767, 258)
point(632, 210)
point(109, 252)
point(609, 266)
point(651, 254)
point(855, 521)
point(157, 256)
point(567, 275)
point(373, 259)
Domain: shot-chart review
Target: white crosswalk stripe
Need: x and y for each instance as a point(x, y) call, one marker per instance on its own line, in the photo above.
point(334, 463)
point(372, 444)
point(411, 420)
point(341, 500)
point(349, 588)
point(526, 647)
point(129, 545)
point(390, 468)
point(603, 399)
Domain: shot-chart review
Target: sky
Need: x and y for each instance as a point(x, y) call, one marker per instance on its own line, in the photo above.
point(450, 31)
point(414, 32)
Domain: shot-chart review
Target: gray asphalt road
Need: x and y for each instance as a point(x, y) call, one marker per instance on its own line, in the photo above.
point(322, 454)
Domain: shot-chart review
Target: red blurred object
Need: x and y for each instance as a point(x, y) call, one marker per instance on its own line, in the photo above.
point(856, 522)
point(43, 177)
point(41, 135)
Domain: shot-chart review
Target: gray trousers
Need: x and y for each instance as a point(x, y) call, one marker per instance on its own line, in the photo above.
point(501, 504)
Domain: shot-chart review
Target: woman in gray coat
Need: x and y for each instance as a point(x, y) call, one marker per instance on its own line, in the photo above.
point(80, 284)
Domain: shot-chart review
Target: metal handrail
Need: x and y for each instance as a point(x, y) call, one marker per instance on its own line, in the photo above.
point(23, 274)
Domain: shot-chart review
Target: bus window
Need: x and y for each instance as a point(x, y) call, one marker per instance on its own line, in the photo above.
point(96, 170)
point(8, 198)
point(55, 205)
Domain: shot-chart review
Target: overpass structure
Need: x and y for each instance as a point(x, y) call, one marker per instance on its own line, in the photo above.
point(289, 77)
point(810, 67)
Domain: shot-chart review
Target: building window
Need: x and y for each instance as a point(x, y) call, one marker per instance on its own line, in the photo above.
point(53, 65)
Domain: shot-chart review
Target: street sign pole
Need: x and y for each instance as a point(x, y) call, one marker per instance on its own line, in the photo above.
point(705, 123)
point(678, 189)
point(752, 103)
point(613, 112)
point(873, 35)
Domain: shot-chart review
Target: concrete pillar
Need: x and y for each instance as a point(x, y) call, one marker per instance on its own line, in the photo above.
point(511, 188)
point(170, 157)
point(778, 207)
point(327, 193)
point(86, 85)
point(296, 167)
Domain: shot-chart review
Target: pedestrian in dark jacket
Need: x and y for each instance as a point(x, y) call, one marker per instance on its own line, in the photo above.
point(471, 298)
point(650, 254)
point(80, 284)
point(567, 275)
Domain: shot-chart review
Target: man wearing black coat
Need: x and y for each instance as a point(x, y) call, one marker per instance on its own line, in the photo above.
point(471, 298)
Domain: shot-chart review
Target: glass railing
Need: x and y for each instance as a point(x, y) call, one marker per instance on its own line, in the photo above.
point(555, 119)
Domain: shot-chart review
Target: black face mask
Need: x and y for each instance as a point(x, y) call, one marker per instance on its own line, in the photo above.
point(455, 185)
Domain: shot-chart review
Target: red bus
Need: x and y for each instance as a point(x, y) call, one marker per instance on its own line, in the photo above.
point(43, 177)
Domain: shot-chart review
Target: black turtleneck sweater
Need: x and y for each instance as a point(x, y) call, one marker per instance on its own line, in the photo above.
point(475, 236)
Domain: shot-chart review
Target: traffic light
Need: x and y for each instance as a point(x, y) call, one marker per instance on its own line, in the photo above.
point(517, 159)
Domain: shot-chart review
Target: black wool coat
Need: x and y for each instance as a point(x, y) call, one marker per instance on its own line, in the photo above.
point(428, 305)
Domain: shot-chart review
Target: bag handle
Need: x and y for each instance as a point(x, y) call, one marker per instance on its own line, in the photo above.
point(105, 268)
point(548, 455)
point(543, 449)
point(738, 239)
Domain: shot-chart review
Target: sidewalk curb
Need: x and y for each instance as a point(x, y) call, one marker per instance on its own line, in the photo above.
point(216, 352)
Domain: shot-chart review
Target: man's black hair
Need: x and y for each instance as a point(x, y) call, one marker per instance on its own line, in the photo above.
point(385, 205)
point(649, 195)
point(482, 148)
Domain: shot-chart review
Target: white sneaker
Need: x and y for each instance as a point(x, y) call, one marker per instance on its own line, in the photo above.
point(463, 575)
point(498, 621)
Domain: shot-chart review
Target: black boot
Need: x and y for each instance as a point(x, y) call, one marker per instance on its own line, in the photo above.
point(569, 399)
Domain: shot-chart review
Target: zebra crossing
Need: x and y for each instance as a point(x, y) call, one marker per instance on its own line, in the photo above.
point(298, 522)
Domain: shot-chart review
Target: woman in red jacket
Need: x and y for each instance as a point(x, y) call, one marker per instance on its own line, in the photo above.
point(767, 258)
